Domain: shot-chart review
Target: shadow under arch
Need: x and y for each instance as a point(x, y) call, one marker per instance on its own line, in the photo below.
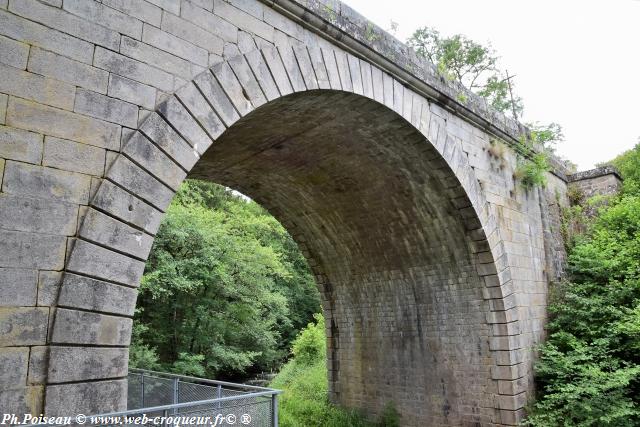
point(393, 226)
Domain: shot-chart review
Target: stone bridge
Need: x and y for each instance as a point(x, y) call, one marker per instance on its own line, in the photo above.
point(432, 261)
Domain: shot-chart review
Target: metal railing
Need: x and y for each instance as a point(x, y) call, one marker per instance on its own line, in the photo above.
point(169, 400)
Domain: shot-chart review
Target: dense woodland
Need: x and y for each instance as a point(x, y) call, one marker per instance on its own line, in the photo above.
point(227, 294)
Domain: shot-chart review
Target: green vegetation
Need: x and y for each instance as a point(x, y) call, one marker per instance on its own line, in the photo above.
point(304, 382)
point(589, 368)
point(225, 290)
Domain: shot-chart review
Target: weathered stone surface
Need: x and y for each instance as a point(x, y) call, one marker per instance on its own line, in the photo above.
point(88, 258)
point(209, 22)
point(36, 88)
point(91, 294)
point(247, 80)
point(263, 75)
point(63, 124)
point(138, 9)
point(86, 398)
point(163, 135)
point(17, 144)
point(56, 18)
point(175, 45)
point(232, 88)
point(243, 20)
point(69, 364)
point(216, 96)
point(159, 58)
point(13, 53)
point(51, 39)
point(29, 250)
point(17, 286)
point(122, 204)
point(13, 366)
point(22, 400)
point(132, 69)
point(48, 285)
point(3, 107)
point(131, 91)
point(49, 216)
point(73, 156)
point(109, 232)
point(150, 157)
point(96, 329)
point(38, 181)
point(191, 97)
point(103, 107)
point(106, 16)
point(20, 326)
point(37, 365)
point(168, 5)
point(180, 119)
point(140, 183)
point(194, 34)
point(67, 70)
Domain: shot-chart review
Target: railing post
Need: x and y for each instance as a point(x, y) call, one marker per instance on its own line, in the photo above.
point(274, 410)
point(142, 390)
point(176, 397)
point(219, 395)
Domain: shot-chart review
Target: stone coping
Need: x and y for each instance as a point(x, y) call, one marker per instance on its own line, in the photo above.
point(595, 173)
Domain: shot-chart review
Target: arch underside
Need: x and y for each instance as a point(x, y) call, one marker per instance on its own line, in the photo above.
point(385, 225)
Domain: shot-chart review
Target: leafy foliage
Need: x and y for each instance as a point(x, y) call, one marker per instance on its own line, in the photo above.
point(589, 369)
point(225, 288)
point(472, 64)
point(628, 165)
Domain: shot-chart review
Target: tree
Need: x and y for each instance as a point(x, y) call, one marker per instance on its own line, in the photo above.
point(225, 289)
point(472, 64)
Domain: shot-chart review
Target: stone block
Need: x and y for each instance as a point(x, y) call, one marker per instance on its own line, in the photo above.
point(70, 364)
point(86, 398)
point(317, 62)
point(37, 373)
point(81, 327)
point(122, 204)
point(180, 119)
point(284, 69)
point(62, 124)
point(233, 88)
point(67, 70)
point(283, 23)
point(55, 18)
point(36, 88)
point(140, 183)
point(17, 144)
point(216, 96)
point(17, 286)
point(3, 107)
point(22, 400)
point(49, 216)
point(165, 137)
point(132, 69)
point(105, 16)
point(149, 156)
point(159, 58)
point(343, 71)
point(75, 157)
point(332, 68)
point(140, 9)
point(131, 91)
point(262, 74)
point(48, 285)
point(168, 5)
point(167, 42)
point(107, 231)
point(96, 295)
point(185, 30)
point(243, 20)
point(13, 367)
point(209, 22)
point(13, 53)
point(22, 326)
point(47, 38)
point(42, 182)
point(87, 258)
point(103, 107)
point(193, 100)
point(28, 250)
point(356, 74)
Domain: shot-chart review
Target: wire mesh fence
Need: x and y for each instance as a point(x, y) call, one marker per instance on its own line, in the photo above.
point(169, 400)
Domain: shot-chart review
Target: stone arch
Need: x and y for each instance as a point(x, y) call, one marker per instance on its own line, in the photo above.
point(91, 328)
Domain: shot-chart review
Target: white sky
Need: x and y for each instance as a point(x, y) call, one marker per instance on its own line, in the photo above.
point(577, 62)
